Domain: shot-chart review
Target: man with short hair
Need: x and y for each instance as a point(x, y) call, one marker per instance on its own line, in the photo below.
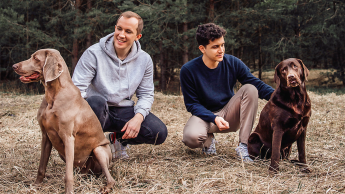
point(207, 84)
point(108, 74)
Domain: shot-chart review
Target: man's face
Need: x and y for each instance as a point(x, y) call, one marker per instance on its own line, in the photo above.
point(126, 33)
point(215, 50)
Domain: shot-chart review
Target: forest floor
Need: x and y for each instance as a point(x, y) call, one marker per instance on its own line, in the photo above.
point(172, 167)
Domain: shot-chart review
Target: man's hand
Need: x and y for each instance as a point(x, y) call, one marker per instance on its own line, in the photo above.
point(132, 127)
point(221, 123)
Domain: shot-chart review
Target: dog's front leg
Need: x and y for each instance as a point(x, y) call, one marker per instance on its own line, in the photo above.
point(276, 145)
point(301, 151)
point(46, 147)
point(69, 153)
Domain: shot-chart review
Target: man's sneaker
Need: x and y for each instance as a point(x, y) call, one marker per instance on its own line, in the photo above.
point(211, 150)
point(117, 149)
point(242, 152)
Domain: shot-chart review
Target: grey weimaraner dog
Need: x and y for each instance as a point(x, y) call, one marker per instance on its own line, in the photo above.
point(67, 121)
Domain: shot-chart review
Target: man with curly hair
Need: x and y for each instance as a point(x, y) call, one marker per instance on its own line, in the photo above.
point(207, 84)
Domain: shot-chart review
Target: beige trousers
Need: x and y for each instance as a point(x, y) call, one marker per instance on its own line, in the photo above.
point(240, 112)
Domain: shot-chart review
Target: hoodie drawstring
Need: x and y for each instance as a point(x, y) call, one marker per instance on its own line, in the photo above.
point(128, 93)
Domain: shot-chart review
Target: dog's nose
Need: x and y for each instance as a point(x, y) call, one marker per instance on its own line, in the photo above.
point(15, 66)
point(291, 76)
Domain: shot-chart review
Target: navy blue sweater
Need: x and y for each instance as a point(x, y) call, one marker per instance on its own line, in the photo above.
point(208, 90)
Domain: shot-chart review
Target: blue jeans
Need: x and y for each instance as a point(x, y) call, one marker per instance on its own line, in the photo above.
point(112, 119)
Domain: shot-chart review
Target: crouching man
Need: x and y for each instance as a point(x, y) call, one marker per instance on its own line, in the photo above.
point(108, 74)
point(207, 84)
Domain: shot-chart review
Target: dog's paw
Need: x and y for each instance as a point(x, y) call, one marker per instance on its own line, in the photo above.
point(303, 167)
point(305, 170)
point(273, 170)
point(295, 162)
point(34, 188)
point(105, 190)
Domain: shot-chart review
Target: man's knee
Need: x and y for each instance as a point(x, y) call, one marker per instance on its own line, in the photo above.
point(156, 127)
point(194, 140)
point(161, 135)
point(251, 90)
point(96, 102)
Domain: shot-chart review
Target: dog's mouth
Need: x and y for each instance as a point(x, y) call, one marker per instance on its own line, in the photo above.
point(30, 78)
point(293, 82)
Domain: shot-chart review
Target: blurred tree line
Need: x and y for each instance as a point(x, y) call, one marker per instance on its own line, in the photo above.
point(259, 32)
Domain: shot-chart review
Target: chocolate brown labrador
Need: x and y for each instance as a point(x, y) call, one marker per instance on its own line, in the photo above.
point(284, 118)
point(67, 121)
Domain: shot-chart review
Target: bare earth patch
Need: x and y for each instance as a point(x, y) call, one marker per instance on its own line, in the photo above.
point(172, 167)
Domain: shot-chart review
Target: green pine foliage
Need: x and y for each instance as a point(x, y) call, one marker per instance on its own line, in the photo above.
point(259, 32)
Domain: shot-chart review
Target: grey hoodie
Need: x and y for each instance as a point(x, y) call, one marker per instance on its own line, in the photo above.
point(100, 72)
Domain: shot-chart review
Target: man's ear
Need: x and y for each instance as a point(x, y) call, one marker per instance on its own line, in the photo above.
point(277, 75)
point(202, 48)
point(304, 68)
point(138, 37)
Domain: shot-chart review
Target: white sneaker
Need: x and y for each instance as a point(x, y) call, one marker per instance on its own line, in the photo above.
point(242, 152)
point(117, 149)
point(211, 150)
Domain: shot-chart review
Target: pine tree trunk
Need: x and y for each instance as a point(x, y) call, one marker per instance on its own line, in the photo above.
point(260, 55)
point(211, 11)
point(254, 66)
point(298, 33)
point(75, 40)
point(155, 71)
point(88, 37)
point(162, 81)
point(185, 38)
point(27, 30)
point(341, 65)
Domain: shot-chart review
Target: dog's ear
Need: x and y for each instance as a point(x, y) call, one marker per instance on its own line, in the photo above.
point(304, 69)
point(277, 75)
point(52, 69)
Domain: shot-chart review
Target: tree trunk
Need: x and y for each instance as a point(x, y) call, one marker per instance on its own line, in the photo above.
point(27, 30)
point(325, 62)
point(162, 80)
point(88, 37)
point(155, 71)
point(75, 40)
point(298, 33)
point(185, 38)
point(211, 11)
point(341, 65)
point(254, 66)
point(260, 54)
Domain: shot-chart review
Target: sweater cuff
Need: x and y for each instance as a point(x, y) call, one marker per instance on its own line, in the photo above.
point(213, 118)
point(141, 111)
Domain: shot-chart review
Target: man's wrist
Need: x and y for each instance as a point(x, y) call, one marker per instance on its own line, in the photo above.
point(139, 116)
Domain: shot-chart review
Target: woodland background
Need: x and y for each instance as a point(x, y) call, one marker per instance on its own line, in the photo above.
point(259, 32)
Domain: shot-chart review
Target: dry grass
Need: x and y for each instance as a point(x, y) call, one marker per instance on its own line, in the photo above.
point(172, 167)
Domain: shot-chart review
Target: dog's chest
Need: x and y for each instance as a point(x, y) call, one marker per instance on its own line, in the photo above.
point(293, 128)
point(49, 119)
point(50, 124)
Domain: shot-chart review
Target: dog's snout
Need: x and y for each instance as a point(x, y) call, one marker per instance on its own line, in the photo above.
point(15, 66)
point(291, 76)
